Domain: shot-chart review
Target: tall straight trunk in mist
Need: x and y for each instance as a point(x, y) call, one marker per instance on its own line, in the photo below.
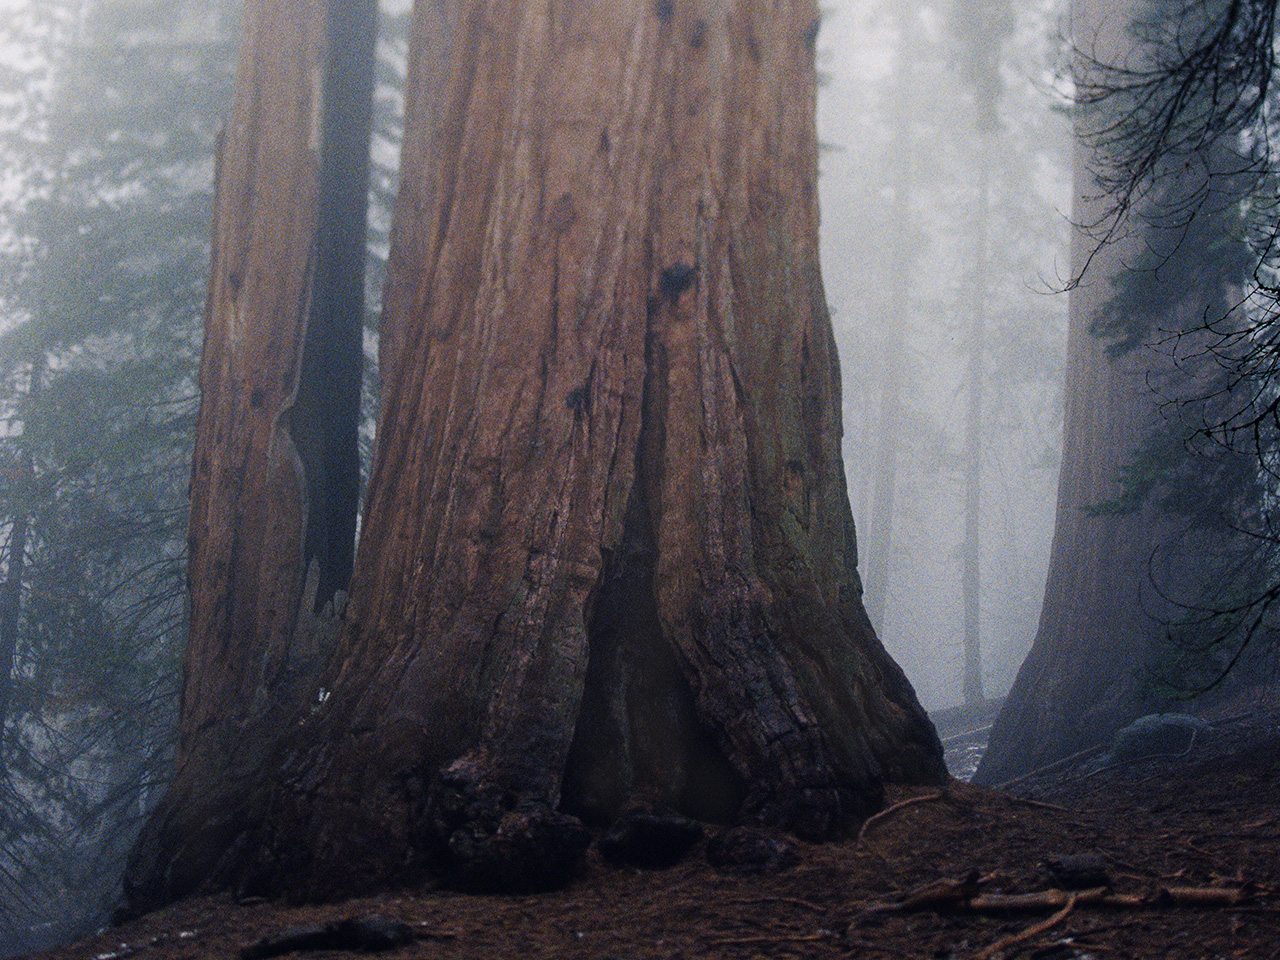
point(896, 318)
point(607, 554)
point(1083, 678)
point(22, 493)
point(971, 574)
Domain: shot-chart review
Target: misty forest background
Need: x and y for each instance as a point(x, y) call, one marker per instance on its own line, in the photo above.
point(946, 203)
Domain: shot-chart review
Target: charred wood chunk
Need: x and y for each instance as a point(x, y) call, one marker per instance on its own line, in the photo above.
point(650, 840)
point(1078, 871)
point(371, 934)
point(751, 850)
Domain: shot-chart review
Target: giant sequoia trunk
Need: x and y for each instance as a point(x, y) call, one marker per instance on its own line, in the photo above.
point(607, 555)
point(1087, 673)
point(1079, 682)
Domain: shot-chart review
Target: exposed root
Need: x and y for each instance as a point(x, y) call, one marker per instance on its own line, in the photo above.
point(901, 804)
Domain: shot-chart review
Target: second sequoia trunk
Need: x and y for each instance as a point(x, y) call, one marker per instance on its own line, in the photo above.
point(607, 554)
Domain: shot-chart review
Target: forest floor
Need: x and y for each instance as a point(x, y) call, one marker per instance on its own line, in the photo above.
point(1189, 846)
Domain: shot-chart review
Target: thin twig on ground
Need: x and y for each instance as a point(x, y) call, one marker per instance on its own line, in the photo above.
point(1039, 804)
point(793, 901)
point(901, 804)
point(771, 938)
point(1049, 768)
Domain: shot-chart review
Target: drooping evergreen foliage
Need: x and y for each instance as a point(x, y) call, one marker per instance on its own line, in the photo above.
point(107, 150)
point(1188, 141)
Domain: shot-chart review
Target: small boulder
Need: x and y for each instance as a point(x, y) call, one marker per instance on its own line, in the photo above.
point(1157, 733)
point(751, 850)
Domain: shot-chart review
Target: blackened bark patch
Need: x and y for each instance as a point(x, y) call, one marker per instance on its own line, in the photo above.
point(563, 214)
point(638, 735)
point(485, 840)
point(676, 279)
point(579, 401)
point(811, 35)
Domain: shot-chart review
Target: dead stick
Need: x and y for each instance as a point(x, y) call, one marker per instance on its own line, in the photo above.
point(792, 901)
point(1097, 896)
point(1204, 896)
point(1050, 767)
point(771, 938)
point(1040, 804)
point(887, 811)
point(1041, 900)
point(1005, 943)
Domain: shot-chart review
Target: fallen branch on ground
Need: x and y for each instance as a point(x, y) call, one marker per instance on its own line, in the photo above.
point(1051, 767)
point(1013, 939)
point(791, 901)
point(901, 804)
point(771, 938)
point(962, 895)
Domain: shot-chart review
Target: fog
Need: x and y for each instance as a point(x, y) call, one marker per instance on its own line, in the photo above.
point(863, 247)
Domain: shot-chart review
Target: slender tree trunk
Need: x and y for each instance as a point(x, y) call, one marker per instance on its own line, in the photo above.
point(971, 576)
point(275, 463)
point(16, 559)
point(897, 317)
point(607, 554)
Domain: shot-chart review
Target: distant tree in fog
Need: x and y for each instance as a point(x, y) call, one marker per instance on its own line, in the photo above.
point(1157, 250)
point(911, 177)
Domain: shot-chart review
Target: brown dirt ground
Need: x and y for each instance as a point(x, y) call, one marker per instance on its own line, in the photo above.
point(1210, 818)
